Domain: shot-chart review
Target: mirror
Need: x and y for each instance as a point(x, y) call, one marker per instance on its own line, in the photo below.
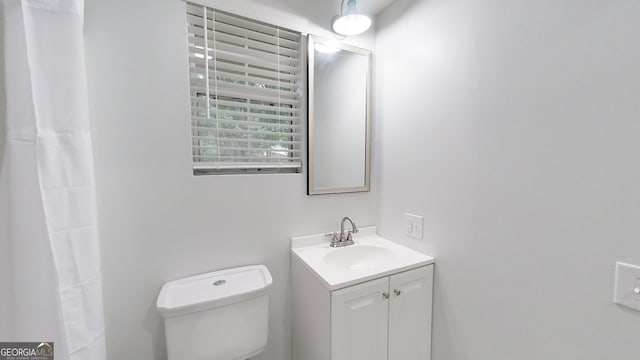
point(339, 108)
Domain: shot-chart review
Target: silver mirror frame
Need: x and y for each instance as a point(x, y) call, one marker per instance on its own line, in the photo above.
point(311, 189)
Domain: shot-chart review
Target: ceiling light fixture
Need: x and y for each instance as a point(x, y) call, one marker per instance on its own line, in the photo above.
point(351, 22)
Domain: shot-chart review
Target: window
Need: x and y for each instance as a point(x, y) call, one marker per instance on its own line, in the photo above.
point(245, 84)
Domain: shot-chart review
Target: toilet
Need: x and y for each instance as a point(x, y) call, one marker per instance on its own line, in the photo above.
point(222, 315)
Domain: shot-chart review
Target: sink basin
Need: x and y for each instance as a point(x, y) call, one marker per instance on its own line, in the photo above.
point(371, 257)
point(359, 257)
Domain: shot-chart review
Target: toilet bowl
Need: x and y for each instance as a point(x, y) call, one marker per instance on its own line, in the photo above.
point(223, 315)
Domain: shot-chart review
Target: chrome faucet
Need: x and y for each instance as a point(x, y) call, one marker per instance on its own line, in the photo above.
point(344, 240)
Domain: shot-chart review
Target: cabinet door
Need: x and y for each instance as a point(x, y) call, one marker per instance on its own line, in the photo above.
point(410, 314)
point(359, 321)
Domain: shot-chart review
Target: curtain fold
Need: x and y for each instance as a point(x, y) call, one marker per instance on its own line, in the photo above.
point(50, 260)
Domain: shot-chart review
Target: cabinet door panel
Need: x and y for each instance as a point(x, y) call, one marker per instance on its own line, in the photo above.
point(410, 314)
point(359, 322)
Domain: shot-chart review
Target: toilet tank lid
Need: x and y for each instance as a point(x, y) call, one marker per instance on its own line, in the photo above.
point(214, 289)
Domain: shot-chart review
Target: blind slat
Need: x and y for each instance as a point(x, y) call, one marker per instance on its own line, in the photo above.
point(222, 92)
point(196, 120)
point(224, 24)
point(274, 155)
point(224, 114)
point(244, 23)
point(243, 166)
point(242, 58)
point(221, 86)
point(274, 58)
point(242, 78)
point(221, 159)
point(243, 105)
point(197, 30)
point(254, 44)
point(247, 132)
point(248, 149)
point(239, 82)
point(284, 54)
point(196, 10)
point(198, 66)
point(226, 139)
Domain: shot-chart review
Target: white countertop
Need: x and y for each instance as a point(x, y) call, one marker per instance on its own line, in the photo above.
point(381, 258)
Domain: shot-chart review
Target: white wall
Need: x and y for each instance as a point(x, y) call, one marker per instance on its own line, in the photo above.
point(3, 95)
point(513, 127)
point(158, 222)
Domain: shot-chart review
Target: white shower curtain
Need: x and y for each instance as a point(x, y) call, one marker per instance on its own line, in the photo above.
point(50, 280)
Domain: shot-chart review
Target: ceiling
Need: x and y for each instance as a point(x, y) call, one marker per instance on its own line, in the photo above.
point(372, 7)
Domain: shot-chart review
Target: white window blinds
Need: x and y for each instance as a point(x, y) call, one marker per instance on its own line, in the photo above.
point(245, 81)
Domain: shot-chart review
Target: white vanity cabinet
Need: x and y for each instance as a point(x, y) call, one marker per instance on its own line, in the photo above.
point(384, 319)
point(410, 314)
point(360, 321)
point(367, 301)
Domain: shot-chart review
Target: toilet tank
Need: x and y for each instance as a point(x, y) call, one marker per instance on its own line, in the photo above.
point(222, 315)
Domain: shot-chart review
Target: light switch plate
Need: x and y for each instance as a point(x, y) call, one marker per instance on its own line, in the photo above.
point(414, 224)
point(627, 285)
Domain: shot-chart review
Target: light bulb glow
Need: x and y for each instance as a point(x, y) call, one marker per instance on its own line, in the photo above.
point(326, 48)
point(351, 24)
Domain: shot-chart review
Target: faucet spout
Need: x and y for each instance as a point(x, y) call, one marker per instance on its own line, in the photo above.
point(354, 229)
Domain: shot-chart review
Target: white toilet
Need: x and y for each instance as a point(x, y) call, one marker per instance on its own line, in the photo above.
point(223, 315)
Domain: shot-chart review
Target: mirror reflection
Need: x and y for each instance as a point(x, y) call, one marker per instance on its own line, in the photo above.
point(339, 117)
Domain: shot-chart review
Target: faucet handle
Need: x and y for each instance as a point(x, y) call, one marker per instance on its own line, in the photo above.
point(334, 240)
